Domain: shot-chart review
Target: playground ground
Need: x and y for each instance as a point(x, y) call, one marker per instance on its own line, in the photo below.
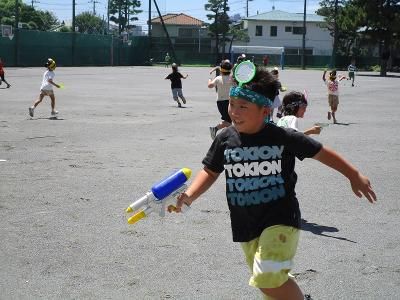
point(65, 185)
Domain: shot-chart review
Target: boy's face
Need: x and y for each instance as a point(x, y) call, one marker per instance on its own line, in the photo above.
point(247, 117)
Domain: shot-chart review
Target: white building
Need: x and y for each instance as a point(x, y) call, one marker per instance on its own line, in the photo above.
point(282, 29)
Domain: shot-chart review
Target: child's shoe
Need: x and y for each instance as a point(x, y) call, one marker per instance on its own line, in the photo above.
point(184, 100)
point(179, 104)
point(31, 110)
point(54, 113)
point(8, 86)
point(329, 115)
point(213, 132)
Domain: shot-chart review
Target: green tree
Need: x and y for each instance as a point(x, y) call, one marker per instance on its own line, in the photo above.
point(237, 34)
point(124, 11)
point(89, 23)
point(41, 20)
point(381, 20)
point(220, 26)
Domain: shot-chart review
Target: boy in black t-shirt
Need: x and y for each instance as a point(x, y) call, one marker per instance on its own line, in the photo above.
point(258, 159)
point(176, 84)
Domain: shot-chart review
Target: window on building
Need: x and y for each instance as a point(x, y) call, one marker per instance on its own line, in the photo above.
point(274, 31)
point(288, 28)
point(258, 30)
point(187, 32)
point(297, 30)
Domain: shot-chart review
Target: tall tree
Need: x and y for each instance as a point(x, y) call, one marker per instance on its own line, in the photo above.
point(331, 10)
point(381, 20)
point(38, 19)
point(89, 23)
point(124, 11)
point(218, 13)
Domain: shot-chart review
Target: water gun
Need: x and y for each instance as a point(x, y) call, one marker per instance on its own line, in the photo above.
point(160, 195)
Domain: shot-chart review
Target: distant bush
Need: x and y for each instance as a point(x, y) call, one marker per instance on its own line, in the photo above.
point(376, 68)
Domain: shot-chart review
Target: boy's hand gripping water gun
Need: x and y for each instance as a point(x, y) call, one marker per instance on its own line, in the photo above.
point(162, 195)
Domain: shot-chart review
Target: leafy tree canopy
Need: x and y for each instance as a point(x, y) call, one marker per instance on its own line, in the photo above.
point(36, 19)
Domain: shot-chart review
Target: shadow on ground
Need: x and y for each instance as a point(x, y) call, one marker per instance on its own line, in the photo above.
point(321, 229)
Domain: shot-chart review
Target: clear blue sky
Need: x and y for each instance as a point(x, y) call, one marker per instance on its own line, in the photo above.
point(63, 8)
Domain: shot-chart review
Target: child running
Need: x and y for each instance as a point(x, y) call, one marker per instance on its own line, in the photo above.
point(351, 71)
point(258, 159)
point(333, 93)
point(176, 84)
point(2, 74)
point(223, 84)
point(277, 101)
point(46, 88)
point(294, 106)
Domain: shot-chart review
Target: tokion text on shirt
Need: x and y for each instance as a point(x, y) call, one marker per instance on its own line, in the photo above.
point(253, 153)
point(254, 175)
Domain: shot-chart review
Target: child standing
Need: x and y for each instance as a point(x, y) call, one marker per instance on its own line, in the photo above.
point(333, 93)
point(294, 106)
point(351, 70)
point(258, 159)
point(222, 83)
point(176, 84)
point(2, 74)
point(167, 60)
point(46, 88)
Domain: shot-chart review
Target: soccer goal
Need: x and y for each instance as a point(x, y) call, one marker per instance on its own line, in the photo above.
point(275, 55)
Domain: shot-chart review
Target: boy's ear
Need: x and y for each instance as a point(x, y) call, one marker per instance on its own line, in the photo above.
point(266, 111)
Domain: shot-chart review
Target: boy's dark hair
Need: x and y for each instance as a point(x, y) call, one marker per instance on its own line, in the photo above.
point(291, 103)
point(226, 67)
point(263, 83)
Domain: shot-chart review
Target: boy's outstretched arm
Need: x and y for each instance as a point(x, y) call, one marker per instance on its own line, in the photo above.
point(359, 183)
point(203, 180)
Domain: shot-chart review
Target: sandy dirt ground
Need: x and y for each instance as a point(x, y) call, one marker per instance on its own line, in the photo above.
point(64, 186)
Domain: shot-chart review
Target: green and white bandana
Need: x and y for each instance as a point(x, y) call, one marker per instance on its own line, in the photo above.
point(253, 97)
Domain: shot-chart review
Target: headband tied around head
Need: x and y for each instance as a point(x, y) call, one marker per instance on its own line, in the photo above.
point(248, 95)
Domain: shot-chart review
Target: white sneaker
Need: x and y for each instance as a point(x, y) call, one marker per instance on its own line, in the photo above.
point(54, 113)
point(31, 110)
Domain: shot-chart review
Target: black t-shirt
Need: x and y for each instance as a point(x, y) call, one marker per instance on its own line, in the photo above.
point(260, 176)
point(176, 82)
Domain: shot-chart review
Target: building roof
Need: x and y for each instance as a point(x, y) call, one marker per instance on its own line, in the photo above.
point(178, 19)
point(278, 15)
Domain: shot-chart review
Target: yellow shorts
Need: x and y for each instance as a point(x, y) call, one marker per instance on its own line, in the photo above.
point(270, 256)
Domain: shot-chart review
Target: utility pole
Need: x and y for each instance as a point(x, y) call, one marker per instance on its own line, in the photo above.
point(247, 7)
point(303, 54)
point(94, 6)
point(149, 30)
point(73, 34)
point(335, 36)
point(33, 2)
point(224, 33)
point(16, 32)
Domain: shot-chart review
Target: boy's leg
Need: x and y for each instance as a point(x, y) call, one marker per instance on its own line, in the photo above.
point(175, 96)
point(271, 257)
point(180, 94)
